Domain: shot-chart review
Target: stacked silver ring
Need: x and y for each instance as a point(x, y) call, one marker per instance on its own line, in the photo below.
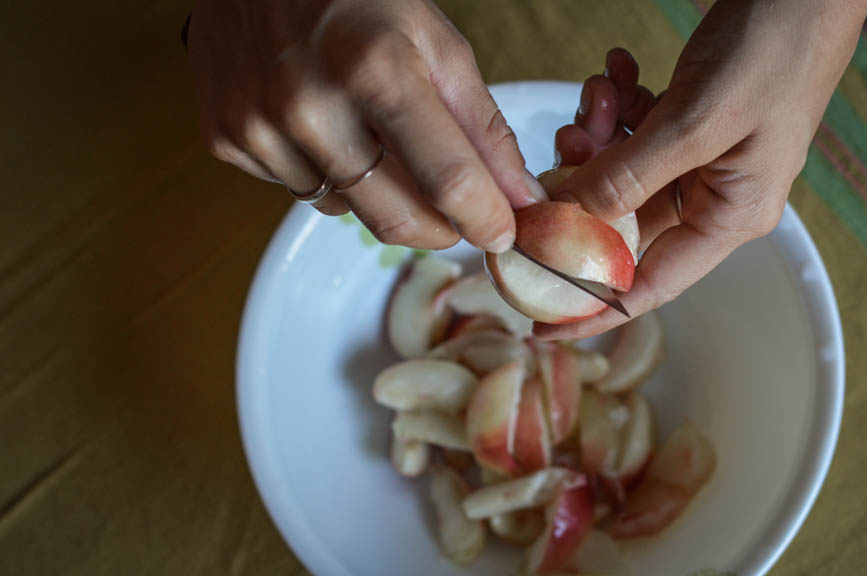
point(316, 195)
point(327, 185)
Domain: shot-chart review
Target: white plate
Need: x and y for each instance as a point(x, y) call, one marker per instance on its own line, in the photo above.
point(754, 356)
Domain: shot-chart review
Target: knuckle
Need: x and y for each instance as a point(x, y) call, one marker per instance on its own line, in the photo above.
point(453, 187)
point(659, 293)
point(384, 99)
point(254, 133)
point(287, 110)
point(403, 232)
point(461, 51)
point(243, 126)
point(221, 147)
point(379, 76)
point(499, 133)
point(767, 220)
point(618, 184)
point(764, 207)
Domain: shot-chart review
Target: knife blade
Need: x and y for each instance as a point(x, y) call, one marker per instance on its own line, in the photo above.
point(597, 290)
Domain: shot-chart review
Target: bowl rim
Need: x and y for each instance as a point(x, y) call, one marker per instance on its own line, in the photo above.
point(299, 224)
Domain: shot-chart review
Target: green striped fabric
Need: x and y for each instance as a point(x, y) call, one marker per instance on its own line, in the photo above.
point(835, 167)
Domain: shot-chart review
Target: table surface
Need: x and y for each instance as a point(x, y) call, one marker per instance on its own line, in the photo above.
point(126, 252)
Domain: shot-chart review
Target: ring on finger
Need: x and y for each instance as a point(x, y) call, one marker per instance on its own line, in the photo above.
point(314, 196)
point(364, 175)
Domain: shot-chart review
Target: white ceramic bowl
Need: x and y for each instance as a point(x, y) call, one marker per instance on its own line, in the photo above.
point(754, 356)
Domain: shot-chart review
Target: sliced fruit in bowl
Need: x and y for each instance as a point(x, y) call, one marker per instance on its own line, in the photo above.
point(538, 441)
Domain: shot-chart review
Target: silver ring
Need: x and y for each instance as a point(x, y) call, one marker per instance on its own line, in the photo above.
point(678, 197)
point(316, 195)
point(364, 175)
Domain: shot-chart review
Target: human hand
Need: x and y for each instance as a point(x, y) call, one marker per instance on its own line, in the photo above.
point(731, 133)
point(296, 91)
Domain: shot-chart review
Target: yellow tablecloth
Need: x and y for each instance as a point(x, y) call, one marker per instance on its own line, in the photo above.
point(126, 252)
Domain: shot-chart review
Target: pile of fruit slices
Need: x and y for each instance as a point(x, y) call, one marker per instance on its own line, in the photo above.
point(550, 446)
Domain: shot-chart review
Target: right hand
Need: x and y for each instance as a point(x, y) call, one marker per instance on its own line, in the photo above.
point(731, 133)
point(296, 91)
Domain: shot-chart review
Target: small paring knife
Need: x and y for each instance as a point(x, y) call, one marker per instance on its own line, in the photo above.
point(599, 291)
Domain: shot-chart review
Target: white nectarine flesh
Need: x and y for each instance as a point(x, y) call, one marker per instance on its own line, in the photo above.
point(569, 519)
point(432, 428)
point(529, 491)
point(636, 352)
point(492, 417)
point(461, 538)
point(474, 294)
point(409, 457)
point(418, 314)
point(532, 439)
point(425, 383)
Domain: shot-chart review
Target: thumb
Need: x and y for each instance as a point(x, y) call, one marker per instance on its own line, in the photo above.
point(625, 175)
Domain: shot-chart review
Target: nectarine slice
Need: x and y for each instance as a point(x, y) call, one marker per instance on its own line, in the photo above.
point(648, 509)
point(566, 238)
point(532, 439)
point(531, 491)
point(432, 428)
point(537, 293)
point(474, 294)
point(409, 457)
point(684, 464)
point(559, 369)
point(637, 351)
point(519, 527)
point(627, 225)
point(462, 539)
point(686, 460)
point(569, 519)
point(636, 440)
point(418, 314)
point(485, 351)
point(425, 383)
point(602, 417)
point(492, 418)
point(592, 365)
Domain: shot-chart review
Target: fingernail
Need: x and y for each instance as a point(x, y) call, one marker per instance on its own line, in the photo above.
point(586, 102)
point(537, 193)
point(557, 158)
point(502, 243)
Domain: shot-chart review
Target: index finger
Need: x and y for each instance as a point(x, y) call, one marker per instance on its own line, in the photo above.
point(397, 98)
